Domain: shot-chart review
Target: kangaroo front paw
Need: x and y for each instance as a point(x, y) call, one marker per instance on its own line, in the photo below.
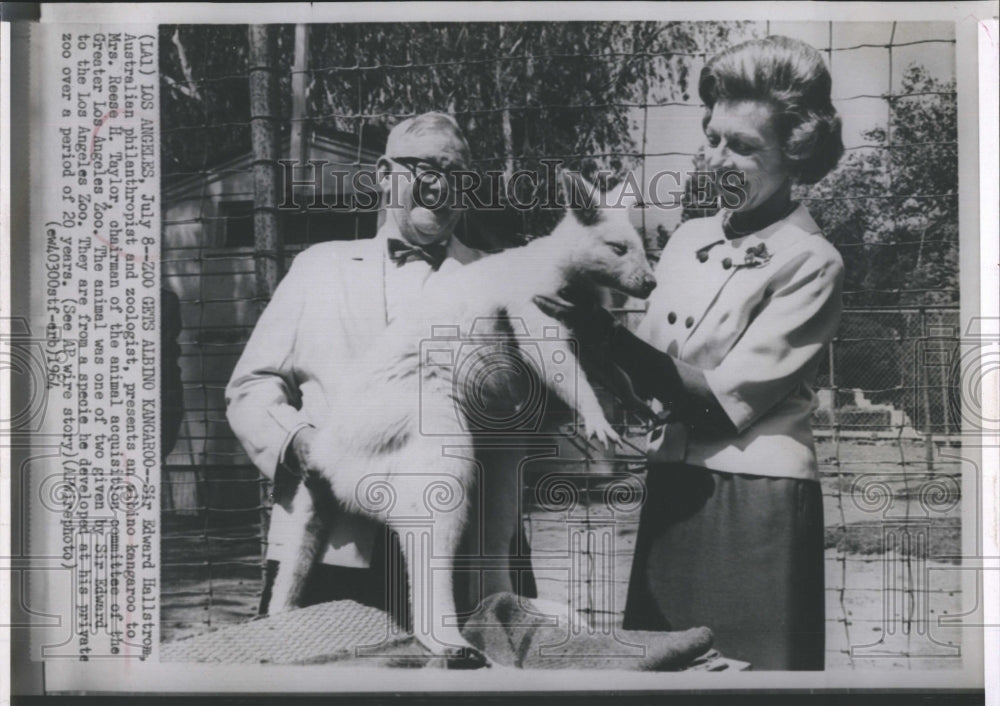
point(599, 428)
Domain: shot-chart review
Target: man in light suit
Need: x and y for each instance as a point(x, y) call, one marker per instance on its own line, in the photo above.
point(331, 306)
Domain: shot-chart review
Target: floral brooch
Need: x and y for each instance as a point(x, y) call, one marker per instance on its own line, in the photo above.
point(756, 256)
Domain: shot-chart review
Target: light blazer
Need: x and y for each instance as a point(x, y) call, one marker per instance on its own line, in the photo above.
point(758, 333)
point(328, 309)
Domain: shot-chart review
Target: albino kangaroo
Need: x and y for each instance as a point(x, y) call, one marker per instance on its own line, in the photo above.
point(384, 449)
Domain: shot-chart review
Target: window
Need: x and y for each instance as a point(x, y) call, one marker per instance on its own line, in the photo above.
point(237, 223)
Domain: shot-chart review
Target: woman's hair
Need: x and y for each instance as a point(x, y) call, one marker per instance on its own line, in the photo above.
point(790, 76)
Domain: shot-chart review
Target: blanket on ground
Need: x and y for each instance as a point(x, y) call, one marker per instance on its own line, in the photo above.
point(512, 631)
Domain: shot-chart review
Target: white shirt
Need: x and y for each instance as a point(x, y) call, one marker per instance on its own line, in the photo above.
point(757, 331)
point(404, 283)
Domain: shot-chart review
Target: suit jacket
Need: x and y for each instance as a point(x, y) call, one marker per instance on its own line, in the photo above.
point(327, 310)
point(755, 313)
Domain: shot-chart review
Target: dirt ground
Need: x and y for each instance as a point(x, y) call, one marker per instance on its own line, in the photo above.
point(890, 592)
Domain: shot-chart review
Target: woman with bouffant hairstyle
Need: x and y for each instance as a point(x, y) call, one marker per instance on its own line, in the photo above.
point(731, 533)
point(793, 80)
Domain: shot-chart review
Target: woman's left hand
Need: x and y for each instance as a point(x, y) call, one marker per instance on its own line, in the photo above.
point(591, 323)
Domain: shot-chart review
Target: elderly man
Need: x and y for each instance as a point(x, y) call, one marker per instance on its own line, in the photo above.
point(333, 303)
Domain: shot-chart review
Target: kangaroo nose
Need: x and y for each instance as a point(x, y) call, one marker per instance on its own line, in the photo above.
point(717, 157)
point(648, 285)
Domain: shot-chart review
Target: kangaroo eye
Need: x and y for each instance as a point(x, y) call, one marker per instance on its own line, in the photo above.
point(618, 248)
point(741, 148)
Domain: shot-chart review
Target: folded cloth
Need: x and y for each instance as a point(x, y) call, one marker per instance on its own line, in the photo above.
point(510, 630)
point(517, 632)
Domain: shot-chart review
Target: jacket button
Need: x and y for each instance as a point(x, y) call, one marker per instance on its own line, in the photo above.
point(702, 256)
point(727, 263)
point(671, 317)
point(689, 322)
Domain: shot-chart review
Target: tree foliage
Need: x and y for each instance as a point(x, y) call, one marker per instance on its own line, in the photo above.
point(204, 96)
point(891, 208)
point(566, 89)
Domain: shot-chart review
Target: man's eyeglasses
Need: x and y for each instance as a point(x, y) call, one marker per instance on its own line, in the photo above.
point(425, 169)
point(434, 186)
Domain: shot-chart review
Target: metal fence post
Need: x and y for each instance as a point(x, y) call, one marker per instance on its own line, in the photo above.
point(834, 417)
point(299, 140)
point(943, 384)
point(268, 246)
point(925, 394)
point(267, 241)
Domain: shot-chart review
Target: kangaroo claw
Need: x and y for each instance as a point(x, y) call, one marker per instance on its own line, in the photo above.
point(603, 432)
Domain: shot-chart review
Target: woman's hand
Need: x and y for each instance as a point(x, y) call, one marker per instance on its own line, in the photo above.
point(680, 387)
point(592, 324)
point(596, 330)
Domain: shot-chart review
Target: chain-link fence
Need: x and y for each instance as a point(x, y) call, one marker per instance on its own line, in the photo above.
point(241, 104)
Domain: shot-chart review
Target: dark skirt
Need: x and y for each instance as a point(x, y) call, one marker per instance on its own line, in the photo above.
point(740, 554)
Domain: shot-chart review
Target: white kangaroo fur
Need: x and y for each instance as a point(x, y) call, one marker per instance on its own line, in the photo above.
point(374, 428)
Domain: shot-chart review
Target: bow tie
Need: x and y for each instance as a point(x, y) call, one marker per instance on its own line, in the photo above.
point(402, 252)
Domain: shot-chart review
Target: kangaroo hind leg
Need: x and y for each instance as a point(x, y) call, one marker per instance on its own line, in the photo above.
point(311, 521)
point(429, 548)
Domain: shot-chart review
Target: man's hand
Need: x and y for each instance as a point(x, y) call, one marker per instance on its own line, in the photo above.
point(293, 468)
point(298, 450)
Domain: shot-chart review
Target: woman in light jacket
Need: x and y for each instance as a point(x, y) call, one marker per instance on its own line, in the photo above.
point(731, 533)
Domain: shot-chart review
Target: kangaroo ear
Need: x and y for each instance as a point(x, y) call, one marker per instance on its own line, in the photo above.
point(582, 198)
point(626, 194)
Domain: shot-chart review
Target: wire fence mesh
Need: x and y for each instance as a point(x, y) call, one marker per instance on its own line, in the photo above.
point(611, 96)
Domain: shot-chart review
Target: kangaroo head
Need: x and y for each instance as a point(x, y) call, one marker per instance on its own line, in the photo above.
point(607, 249)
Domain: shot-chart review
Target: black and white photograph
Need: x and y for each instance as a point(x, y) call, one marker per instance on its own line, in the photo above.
point(525, 350)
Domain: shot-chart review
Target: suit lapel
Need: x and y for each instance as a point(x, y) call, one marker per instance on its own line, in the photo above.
point(364, 279)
